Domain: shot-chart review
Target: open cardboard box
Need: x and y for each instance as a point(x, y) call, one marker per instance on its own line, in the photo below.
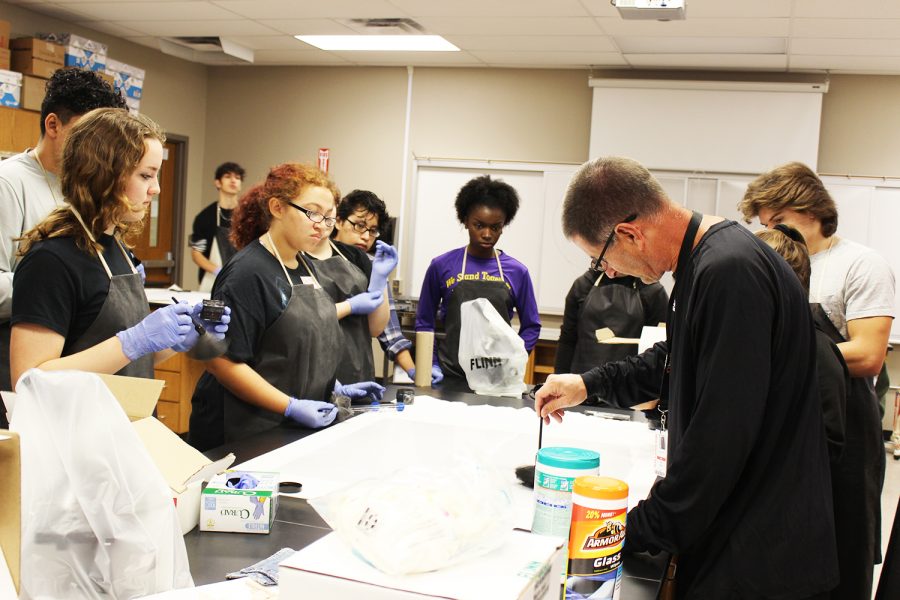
point(183, 467)
point(10, 514)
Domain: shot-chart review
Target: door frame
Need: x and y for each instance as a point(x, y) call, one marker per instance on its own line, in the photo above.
point(179, 202)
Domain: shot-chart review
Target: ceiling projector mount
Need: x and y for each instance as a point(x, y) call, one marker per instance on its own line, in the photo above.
point(659, 10)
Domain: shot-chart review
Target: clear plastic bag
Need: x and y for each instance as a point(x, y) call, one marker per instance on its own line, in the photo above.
point(491, 354)
point(98, 519)
point(421, 519)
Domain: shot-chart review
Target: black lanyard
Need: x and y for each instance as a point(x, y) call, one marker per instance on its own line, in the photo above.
point(684, 255)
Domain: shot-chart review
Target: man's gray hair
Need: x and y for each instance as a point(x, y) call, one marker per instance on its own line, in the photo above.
point(604, 192)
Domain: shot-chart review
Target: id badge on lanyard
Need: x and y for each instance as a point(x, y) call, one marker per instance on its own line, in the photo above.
point(661, 458)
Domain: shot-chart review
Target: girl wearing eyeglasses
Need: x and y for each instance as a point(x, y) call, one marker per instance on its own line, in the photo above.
point(484, 206)
point(285, 338)
point(345, 271)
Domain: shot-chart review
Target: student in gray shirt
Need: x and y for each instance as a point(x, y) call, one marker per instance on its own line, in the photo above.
point(29, 188)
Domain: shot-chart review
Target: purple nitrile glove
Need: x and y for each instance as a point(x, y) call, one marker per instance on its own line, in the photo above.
point(260, 506)
point(366, 302)
point(356, 391)
point(436, 374)
point(385, 261)
point(311, 413)
point(241, 480)
point(160, 330)
point(215, 329)
point(142, 272)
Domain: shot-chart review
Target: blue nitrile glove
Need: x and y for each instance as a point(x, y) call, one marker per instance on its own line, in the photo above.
point(366, 302)
point(142, 273)
point(385, 262)
point(311, 413)
point(436, 374)
point(217, 330)
point(160, 330)
point(217, 270)
point(241, 480)
point(356, 391)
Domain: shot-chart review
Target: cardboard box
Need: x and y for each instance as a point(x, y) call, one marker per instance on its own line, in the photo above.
point(4, 33)
point(79, 51)
point(527, 566)
point(33, 91)
point(134, 105)
point(5, 59)
point(182, 466)
point(38, 48)
point(24, 63)
point(240, 511)
point(10, 514)
point(10, 88)
point(128, 79)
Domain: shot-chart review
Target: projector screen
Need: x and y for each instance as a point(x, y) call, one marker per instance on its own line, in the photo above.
point(744, 130)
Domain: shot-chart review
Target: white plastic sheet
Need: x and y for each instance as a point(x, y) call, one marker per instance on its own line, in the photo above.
point(98, 519)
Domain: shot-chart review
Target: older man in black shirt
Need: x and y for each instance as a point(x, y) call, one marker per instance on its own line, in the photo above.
point(746, 502)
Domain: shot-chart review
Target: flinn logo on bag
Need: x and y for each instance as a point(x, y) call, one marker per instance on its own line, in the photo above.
point(485, 362)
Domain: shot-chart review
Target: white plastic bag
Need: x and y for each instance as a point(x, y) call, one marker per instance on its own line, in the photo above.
point(98, 519)
point(421, 519)
point(491, 354)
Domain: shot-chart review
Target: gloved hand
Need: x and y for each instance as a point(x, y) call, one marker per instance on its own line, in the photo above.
point(217, 270)
point(311, 413)
point(385, 261)
point(366, 302)
point(357, 391)
point(436, 374)
point(217, 330)
point(241, 480)
point(142, 273)
point(161, 329)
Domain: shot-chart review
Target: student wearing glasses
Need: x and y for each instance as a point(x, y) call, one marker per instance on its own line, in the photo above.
point(484, 206)
point(360, 217)
point(285, 345)
point(345, 271)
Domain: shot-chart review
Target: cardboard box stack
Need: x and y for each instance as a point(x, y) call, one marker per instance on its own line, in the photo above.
point(4, 45)
point(79, 51)
point(37, 60)
point(129, 80)
point(10, 82)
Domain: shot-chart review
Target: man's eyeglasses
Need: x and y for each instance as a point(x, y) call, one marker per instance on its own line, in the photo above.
point(599, 264)
point(361, 228)
point(315, 217)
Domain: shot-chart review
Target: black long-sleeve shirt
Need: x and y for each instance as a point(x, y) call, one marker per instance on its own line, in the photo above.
point(746, 502)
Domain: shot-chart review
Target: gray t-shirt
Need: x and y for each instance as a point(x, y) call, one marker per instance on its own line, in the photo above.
point(851, 281)
point(25, 199)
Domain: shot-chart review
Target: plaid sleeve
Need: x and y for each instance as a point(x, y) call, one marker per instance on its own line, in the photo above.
point(392, 339)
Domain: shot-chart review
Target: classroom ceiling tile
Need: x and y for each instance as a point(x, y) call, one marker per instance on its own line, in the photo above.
point(311, 9)
point(701, 45)
point(416, 59)
point(492, 8)
point(307, 26)
point(198, 28)
point(733, 9)
point(129, 11)
point(556, 59)
point(848, 64)
point(513, 25)
point(116, 29)
point(846, 9)
point(839, 47)
point(533, 43)
point(268, 42)
point(846, 28)
point(698, 27)
point(766, 62)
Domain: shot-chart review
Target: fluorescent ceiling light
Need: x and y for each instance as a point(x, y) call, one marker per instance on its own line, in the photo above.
point(380, 43)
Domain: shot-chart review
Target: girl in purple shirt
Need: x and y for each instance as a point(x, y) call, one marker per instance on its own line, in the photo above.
point(484, 206)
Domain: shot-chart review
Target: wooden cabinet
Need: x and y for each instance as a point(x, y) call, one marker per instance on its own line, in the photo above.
point(540, 362)
point(19, 129)
point(180, 374)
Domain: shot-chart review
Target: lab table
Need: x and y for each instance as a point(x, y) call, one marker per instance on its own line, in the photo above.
point(297, 524)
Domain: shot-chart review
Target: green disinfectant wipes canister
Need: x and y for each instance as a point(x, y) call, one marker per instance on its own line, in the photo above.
point(554, 477)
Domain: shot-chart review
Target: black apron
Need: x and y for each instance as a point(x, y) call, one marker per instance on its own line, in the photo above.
point(615, 306)
point(220, 253)
point(341, 279)
point(496, 292)
point(857, 479)
point(298, 354)
point(125, 306)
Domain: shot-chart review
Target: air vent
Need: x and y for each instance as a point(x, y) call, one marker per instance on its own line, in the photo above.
point(388, 26)
point(206, 49)
point(199, 43)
